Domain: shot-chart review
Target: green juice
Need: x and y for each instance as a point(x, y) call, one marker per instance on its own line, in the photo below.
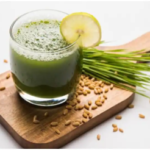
point(45, 65)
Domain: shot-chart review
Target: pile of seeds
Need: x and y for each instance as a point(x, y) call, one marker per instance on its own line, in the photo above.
point(86, 86)
point(115, 128)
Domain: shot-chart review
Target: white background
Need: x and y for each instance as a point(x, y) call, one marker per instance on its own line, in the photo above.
point(121, 22)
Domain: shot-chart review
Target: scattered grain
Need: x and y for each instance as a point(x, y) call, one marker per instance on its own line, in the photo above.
point(80, 88)
point(73, 103)
point(98, 137)
point(141, 116)
point(86, 106)
point(84, 120)
point(85, 115)
point(95, 91)
point(103, 100)
point(102, 85)
point(69, 107)
point(98, 103)
point(94, 107)
point(2, 88)
point(131, 106)
point(78, 100)
point(79, 92)
point(114, 125)
point(99, 91)
point(93, 79)
point(5, 61)
point(121, 130)
point(87, 112)
point(106, 90)
point(118, 117)
point(68, 122)
point(35, 120)
point(84, 93)
point(80, 107)
point(100, 82)
point(54, 124)
point(91, 87)
point(90, 102)
point(88, 91)
point(87, 83)
point(65, 112)
point(75, 124)
point(111, 86)
point(90, 115)
point(57, 131)
point(82, 84)
point(46, 114)
point(104, 95)
point(115, 129)
point(8, 76)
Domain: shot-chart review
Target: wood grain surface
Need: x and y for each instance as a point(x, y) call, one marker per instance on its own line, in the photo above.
point(16, 115)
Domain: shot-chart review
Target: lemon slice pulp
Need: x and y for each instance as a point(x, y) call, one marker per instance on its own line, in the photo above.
point(81, 26)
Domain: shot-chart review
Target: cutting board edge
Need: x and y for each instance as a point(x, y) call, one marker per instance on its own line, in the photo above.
point(74, 134)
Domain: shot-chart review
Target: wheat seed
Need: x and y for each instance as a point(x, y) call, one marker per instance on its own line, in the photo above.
point(68, 122)
point(115, 129)
point(78, 100)
point(118, 117)
point(2, 88)
point(8, 76)
point(91, 87)
point(121, 130)
point(111, 86)
point(69, 107)
point(86, 106)
point(98, 137)
point(80, 92)
point(90, 103)
point(46, 114)
point(94, 107)
point(5, 61)
point(98, 103)
point(102, 85)
point(35, 120)
point(106, 90)
point(141, 116)
point(87, 112)
point(85, 115)
point(114, 125)
point(88, 91)
point(65, 112)
point(95, 91)
point(75, 124)
point(80, 107)
point(84, 120)
point(73, 103)
point(104, 95)
point(131, 106)
point(54, 124)
point(84, 93)
point(57, 131)
point(90, 116)
point(103, 100)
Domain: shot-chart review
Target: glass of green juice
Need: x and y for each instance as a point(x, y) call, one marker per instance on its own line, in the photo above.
point(45, 68)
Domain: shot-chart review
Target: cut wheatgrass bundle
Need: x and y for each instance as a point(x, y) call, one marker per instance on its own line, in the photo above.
point(111, 66)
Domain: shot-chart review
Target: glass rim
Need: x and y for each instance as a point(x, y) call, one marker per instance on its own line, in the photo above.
point(57, 50)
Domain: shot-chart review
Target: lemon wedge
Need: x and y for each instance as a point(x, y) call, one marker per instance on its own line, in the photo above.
point(81, 27)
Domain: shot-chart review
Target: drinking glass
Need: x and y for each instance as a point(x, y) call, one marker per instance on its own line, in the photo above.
point(44, 78)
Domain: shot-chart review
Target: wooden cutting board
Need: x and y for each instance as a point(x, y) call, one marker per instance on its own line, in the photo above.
point(16, 115)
